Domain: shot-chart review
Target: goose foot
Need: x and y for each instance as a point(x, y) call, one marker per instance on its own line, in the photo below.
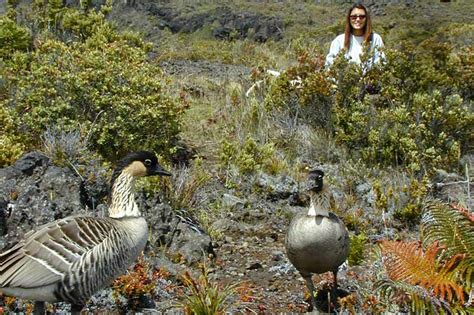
point(39, 308)
point(76, 308)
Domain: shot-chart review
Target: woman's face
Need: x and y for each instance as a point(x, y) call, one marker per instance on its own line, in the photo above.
point(357, 18)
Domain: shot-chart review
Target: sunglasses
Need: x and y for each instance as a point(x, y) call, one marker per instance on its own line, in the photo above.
point(355, 17)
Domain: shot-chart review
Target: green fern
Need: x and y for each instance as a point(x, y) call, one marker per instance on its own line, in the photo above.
point(416, 299)
point(453, 227)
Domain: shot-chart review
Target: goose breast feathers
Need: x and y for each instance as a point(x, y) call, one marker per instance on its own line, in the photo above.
point(316, 244)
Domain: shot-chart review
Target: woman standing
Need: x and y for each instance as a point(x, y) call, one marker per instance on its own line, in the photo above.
point(358, 33)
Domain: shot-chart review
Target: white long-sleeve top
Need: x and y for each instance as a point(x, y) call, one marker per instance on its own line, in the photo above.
point(356, 49)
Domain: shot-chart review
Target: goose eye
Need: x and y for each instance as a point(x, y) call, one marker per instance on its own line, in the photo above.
point(147, 162)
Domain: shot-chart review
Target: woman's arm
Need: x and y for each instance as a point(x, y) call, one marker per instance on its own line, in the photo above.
point(336, 47)
point(377, 44)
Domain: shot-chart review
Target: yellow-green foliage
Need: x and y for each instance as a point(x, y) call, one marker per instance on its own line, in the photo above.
point(12, 37)
point(103, 86)
point(417, 192)
point(205, 296)
point(303, 90)
point(249, 156)
point(422, 118)
point(11, 146)
point(82, 24)
point(357, 249)
point(419, 120)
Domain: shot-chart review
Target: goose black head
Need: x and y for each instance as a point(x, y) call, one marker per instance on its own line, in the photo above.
point(138, 164)
point(315, 180)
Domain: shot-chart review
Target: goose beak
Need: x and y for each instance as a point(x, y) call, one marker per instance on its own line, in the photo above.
point(158, 170)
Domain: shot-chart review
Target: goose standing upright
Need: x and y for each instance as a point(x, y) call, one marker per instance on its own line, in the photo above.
point(72, 258)
point(318, 241)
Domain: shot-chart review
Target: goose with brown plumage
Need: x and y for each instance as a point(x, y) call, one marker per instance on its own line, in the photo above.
point(72, 258)
point(317, 241)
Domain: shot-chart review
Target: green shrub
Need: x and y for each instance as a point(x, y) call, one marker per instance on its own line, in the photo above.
point(357, 249)
point(112, 92)
point(11, 146)
point(249, 156)
point(13, 37)
point(303, 90)
point(103, 86)
point(422, 118)
point(417, 192)
point(425, 134)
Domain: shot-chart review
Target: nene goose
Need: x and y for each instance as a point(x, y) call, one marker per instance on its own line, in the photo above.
point(318, 241)
point(72, 258)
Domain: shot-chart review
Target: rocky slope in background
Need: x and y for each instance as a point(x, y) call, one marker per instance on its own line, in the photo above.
point(226, 21)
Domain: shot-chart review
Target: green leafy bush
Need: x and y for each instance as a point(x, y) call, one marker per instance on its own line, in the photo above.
point(13, 37)
point(357, 249)
point(11, 146)
point(417, 192)
point(103, 86)
point(249, 156)
point(422, 135)
point(421, 119)
point(112, 91)
point(303, 90)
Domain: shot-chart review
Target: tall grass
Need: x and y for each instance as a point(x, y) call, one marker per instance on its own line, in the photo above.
point(205, 296)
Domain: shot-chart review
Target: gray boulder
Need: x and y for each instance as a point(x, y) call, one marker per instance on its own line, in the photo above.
point(36, 192)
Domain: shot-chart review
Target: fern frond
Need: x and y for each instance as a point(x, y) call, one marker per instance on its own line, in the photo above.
point(451, 226)
point(410, 297)
point(408, 262)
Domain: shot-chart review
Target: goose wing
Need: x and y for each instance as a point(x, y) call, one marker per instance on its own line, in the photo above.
point(44, 257)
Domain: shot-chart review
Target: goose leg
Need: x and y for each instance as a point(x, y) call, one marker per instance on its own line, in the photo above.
point(76, 308)
point(335, 278)
point(39, 308)
point(310, 285)
point(334, 288)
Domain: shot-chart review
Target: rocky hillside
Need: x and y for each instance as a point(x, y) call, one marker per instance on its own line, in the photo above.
point(249, 249)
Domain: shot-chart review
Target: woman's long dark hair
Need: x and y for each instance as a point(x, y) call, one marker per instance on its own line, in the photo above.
point(367, 27)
